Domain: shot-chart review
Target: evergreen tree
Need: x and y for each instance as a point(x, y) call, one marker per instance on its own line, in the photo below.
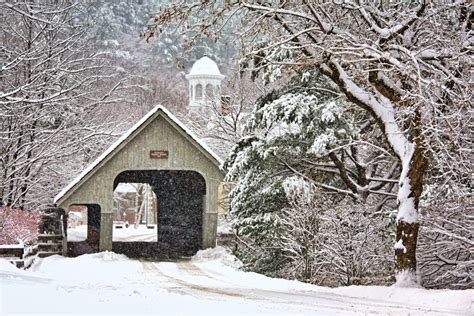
point(294, 135)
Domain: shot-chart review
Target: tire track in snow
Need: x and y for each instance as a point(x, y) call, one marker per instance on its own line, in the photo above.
point(154, 275)
point(307, 299)
point(193, 269)
point(186, 285)
point(246, 293)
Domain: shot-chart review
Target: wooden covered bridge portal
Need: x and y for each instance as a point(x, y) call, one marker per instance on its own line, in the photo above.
point(183, 173)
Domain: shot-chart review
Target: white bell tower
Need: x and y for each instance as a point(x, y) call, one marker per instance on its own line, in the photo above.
point(204, 84)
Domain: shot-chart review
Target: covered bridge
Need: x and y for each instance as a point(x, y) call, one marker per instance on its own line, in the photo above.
point(183, 172)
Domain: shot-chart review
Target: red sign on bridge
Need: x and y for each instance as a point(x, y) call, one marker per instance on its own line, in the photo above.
point(159, 154)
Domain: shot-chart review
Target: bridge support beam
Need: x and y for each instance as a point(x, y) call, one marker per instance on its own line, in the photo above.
point(105, 232)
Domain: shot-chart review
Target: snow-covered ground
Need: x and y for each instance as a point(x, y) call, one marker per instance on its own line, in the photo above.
point(130, 233)
point(209, 284)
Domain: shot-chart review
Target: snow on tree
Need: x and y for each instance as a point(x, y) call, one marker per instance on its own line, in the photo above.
point(407, 64)
point(53, 81)
point(293, 135)
point(330, 240)
point(446, 253)
point(18, 226)
point(295, 132)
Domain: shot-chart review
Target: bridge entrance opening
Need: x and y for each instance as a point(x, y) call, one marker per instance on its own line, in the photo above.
point(176, 216)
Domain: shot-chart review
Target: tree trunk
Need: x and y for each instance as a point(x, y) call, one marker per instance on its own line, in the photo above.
point(29, 154)
point(139, 215)
point(406, 258)
point(12, 186)
point(407, 230)
point(139, 200)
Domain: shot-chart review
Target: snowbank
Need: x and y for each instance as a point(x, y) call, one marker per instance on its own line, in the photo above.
point(432, 299)
point(7, 266)
point(224, 227)
point(226, 265)
point(219, 254)
point(98, 267)
point(220, 260)
point(208, 284)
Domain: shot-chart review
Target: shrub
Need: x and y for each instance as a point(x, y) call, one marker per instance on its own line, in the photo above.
point(19, 226)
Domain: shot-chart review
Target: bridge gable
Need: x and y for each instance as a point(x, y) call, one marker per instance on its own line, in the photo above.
point(157, 142)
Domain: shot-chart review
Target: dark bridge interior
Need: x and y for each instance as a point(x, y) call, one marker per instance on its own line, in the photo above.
point(180, 197)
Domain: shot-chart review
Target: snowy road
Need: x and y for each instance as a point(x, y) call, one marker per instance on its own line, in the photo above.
point(202, 281)
point(142, 233)
point(209, 284)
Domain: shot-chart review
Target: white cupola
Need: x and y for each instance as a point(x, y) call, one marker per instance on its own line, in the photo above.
point(204, 83)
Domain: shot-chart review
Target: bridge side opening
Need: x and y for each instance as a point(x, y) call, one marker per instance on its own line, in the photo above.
point(83, 229)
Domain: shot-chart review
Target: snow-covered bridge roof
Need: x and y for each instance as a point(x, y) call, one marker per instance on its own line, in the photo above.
point(126, 137)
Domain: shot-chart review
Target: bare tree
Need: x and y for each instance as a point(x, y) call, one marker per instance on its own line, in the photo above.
point(49, 94)
point(446, 252)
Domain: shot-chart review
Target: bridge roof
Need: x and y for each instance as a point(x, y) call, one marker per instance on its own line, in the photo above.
point(129, 135)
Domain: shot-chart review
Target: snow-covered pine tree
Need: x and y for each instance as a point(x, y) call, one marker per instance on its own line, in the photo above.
point(300, 131)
